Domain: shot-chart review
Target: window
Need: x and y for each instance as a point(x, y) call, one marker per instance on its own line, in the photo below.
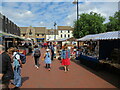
point(30, 33)
point(68, 31)
point(65, 35)
point(37, 34)
point(61, 35)
point(68, 35)
point(42, 34)
point(23, 34)
point(61, 31)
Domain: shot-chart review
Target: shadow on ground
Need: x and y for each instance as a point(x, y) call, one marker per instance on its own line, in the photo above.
point(107, 76)
point(61, 68)
point(24, 79)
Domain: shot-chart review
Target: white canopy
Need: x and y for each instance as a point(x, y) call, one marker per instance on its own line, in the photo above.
point(101, 36)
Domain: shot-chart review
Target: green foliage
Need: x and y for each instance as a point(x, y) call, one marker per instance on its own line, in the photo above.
point(114, 24)
point(89, 24)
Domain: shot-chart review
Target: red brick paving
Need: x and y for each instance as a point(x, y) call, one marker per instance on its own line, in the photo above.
point(77, 77)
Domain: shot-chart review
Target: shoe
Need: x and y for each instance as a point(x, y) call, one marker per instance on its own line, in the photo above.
point(49, 69)
point(68, 69)
point(65, 70)
point(37, 67)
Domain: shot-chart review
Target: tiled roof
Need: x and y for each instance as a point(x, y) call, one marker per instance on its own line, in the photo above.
point(40, 29)
point(23, 29)
point(51, 32)
point(64, 28)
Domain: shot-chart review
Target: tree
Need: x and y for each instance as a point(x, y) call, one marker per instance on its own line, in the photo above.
point(114, 23)
point(89, 24)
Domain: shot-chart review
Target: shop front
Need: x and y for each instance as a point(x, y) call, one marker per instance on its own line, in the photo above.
point(40, 39)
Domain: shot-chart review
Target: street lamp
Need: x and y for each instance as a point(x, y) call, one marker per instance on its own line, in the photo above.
point(76, 2)
point(55, 30)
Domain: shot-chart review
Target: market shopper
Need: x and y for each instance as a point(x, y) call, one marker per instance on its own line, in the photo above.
point(65, 56)
point(17, 64)
point(48, 59)
point(36, 55)
point(6, 71)
point(52, 50)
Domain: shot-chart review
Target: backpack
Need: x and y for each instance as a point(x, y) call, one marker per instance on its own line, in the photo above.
point(37, 53)
point(22, 58)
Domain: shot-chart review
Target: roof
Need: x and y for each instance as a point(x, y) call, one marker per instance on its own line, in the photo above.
point(102, 36)
point(23, 29)
point(51, 32)
point(40, 29)
point(37, 29)
point(65, 28)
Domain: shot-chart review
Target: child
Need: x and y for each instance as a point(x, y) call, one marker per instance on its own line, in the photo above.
point(47, 59)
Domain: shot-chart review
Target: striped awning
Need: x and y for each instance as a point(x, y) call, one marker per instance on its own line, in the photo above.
point(102, 36)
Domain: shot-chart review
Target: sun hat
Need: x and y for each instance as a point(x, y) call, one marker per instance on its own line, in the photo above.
point(47, 49)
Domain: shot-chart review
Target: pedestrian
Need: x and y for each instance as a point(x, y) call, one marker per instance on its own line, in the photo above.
point(52, 50)
point(48, 59)
point(77, 55)
point(36, 55)
point(6, 72)
point(65, 56)
point(17, 65)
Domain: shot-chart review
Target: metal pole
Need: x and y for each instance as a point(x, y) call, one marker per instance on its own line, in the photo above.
point(77, 11)
point(77, 17)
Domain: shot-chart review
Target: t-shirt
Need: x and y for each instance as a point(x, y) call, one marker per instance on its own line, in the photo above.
point(17, 56)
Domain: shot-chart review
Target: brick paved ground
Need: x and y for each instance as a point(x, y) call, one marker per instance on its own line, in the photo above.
point(77, 77)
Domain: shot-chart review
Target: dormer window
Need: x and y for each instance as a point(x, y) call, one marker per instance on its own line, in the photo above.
point(23, 34)
point(30, 33)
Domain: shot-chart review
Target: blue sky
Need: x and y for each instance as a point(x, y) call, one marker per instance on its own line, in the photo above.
point(44, 14)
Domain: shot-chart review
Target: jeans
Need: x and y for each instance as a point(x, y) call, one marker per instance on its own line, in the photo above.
point(36, 60)
point(48, 66)
point(17, 77)
point(52, 56)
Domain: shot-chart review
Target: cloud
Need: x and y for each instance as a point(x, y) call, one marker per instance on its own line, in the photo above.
point(59, 0)
point(46, 13)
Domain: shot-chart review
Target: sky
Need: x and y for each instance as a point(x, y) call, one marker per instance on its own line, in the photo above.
point(44, 14)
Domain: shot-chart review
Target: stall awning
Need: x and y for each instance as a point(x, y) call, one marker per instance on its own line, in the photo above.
point(101, 36)
point(11, 35)
point(58, 40)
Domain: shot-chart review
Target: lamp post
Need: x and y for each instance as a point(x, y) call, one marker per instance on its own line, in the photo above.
point(55, 30)
point(76, 2)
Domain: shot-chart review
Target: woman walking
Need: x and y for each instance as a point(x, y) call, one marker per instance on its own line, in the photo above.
point(65, 56)
point(36, 54)
point(47, 59)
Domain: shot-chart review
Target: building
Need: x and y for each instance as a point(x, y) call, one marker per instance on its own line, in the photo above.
point(51, 34)
point(60, 33)
point(41, 34)
point(65, 32)
point(8, 26)
point(37, 34)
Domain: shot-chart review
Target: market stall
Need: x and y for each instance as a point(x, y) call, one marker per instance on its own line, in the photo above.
point(101, 46)
point(10, 40)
